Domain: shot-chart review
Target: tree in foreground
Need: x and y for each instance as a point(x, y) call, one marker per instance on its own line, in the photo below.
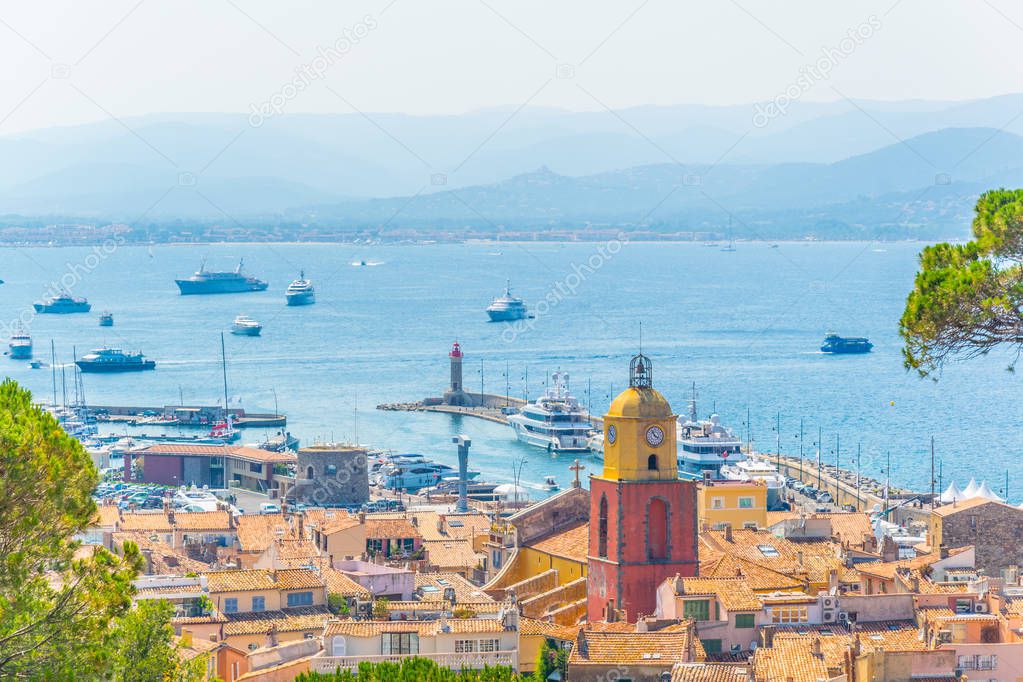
point(56, 608)
point(412, 669)
point(967, 298)
point(142, 647)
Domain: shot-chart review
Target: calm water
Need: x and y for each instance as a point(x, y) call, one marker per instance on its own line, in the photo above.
point(744, 326)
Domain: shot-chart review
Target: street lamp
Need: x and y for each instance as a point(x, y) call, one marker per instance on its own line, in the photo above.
point(518, 474)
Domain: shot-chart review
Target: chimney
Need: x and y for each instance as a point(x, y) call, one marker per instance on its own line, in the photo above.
point(301, 525)
point(816, 649)
point(415, 521)
point(232, 523)
point(362, 517)
point(186, 637)
point(943, 552)
point(147, 554)
point(799, 558)
point(170, 516)
point(728, 533)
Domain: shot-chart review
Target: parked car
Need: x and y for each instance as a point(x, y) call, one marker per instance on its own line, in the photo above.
point(825, 497)
point(269, 508)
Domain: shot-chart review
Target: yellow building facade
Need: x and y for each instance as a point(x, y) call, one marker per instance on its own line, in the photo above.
point(738, 504)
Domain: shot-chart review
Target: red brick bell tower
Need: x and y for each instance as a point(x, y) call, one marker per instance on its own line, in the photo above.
point(643, 519)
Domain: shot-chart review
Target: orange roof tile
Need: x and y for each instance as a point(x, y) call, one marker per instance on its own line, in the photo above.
point(734, 594)
point(465, 591)
point(259, 579)
point(788, 660)
point(972, 503)
point(624, 648)
point(571, 543)
point(236, 451)
point(257, 531)
point(709, 672)
point(530, 627)
point(451, 554)
point(425, 628)
point(389, 529)
point(339, 583)
point(286, 620)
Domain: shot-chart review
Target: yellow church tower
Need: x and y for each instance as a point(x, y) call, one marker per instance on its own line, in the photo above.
point(639, 431)
point(642, 515)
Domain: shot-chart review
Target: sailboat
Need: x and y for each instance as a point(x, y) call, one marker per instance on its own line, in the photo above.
point(731, 242)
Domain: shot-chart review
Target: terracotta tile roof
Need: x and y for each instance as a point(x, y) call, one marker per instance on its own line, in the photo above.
point(339, 583)
point(617, 626)
point(236, 451)
point(756, 576)
point(165, 559)
point(1013, 605)
point(295, 553)
point(812, 560)
point(183, 521)
point(887, 569)
point(425, 628)
point(451, 554)
point(389, 529)
point(845, 526)
point(285, 620)
point(572, 543)
point(106, 515)
point(257, 531)
point(734, 594)
point(896, 635)
point(788, 660)
point(461, 526)
point(624, 648)
point(972, 503)
point(259, 579)
point(709, 672)
point(465, 591)
point(530, 627)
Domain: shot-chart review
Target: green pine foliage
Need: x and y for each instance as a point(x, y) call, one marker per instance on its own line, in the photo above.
point(58, 607)
point(412, 669)
point(967, 299)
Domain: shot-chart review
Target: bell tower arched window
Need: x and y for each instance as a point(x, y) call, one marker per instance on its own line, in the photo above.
point(602, 528)
point(309, 473)
point(651, 463)
point(657, 529)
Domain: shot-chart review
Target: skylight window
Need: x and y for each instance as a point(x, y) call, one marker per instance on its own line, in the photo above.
point(768, 551)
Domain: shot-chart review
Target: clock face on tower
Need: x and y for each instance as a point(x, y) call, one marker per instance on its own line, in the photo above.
point(654, 436)
point(612, 434)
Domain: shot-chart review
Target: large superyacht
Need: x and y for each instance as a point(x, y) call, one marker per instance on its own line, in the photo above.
point(205, 281)
point(555, 421)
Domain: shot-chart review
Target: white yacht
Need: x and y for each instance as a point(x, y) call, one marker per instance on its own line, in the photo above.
point(753, 468)
point(704, 444)
point(556, 421)
point(301, 291)
point(596, 444)
point(244, 325)
point(507, 308)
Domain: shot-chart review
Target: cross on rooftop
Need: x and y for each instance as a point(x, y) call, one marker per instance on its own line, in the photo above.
point(576, 467)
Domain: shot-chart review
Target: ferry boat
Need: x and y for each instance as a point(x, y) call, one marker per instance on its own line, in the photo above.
point(114, 360)
point(754, 468)
point(62, 304)
point(20, 344)
point(595, 443)
point(301, 292)
point(555, 421)
point(204, 281)
point(507, 308)
point(244, 325)
point(839, 345)
point(106, 320)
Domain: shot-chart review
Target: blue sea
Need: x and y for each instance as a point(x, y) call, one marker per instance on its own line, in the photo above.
point(744, 326)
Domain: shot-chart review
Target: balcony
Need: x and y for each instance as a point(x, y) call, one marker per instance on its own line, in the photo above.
point(475, 661)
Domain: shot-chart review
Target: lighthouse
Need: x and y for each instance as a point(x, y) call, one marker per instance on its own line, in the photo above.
point(455, 395)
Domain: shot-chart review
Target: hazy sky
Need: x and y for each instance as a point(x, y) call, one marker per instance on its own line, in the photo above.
point(73, 62)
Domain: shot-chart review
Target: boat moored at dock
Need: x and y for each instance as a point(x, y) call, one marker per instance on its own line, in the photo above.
point(555, 421)
point(204, 281)
point(753, 468)
point(109, 360)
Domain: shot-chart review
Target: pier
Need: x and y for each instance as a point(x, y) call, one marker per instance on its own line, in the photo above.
point(198, 416)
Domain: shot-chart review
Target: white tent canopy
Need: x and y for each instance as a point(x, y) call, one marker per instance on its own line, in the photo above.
point(984, 490)
point(951, 494)
point(971, 489)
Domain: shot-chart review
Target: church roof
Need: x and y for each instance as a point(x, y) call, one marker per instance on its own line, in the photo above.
point(644, 402)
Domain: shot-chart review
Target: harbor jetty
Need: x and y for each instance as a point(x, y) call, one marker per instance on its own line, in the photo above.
point(198, 416)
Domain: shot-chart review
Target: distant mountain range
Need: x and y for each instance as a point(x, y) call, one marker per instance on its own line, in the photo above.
point(906, 169)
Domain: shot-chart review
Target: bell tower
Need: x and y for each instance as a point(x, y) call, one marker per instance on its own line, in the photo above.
point(643, 518)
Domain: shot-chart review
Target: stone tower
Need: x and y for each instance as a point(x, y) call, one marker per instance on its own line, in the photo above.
point(332, 475)
point(455, 395)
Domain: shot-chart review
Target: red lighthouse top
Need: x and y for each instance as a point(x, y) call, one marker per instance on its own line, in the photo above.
point(456, 351)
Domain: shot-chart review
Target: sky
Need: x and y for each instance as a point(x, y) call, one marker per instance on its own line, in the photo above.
point(67, 63)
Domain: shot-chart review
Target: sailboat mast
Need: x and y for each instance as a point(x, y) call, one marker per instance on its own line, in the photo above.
point(223, 366)
point(53, 370)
